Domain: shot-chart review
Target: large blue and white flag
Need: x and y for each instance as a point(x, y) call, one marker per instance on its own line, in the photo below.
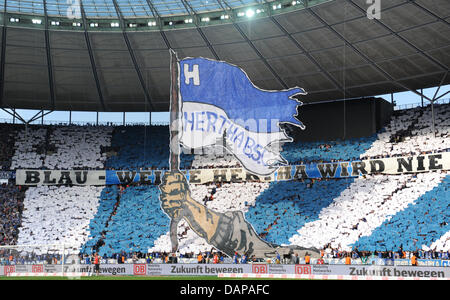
point(220, 103)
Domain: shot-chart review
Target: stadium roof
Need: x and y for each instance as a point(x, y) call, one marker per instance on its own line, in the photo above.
point(112, 55)
point(128, 8)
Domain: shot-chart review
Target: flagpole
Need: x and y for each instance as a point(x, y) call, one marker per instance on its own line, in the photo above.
point(174, 159)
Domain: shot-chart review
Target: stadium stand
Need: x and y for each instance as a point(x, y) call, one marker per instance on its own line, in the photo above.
point(137, 223)
point(362, 208)
point(7, 137)
point(58, 215)
point(410, 132)
point(286, 206)
point(227, 197)
point(326, 151)
point(190, 244)
point(61, 147)
point(76, 148)
point(208, 63)
point(141, 147)
point(108, 203)
point(364, 213)
point(11, 208)
point(421, 223)
point(29, 151)
point(216, 157)
point(441, 243)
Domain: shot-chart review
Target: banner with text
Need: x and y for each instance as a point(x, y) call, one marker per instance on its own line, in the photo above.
point(425, 272)
point(390, 166)
point(60, 177)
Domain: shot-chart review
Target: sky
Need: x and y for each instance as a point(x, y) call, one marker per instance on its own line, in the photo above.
point(401, 99)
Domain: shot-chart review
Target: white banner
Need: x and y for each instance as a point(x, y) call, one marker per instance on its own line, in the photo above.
point(60, 177)
point(389, 166)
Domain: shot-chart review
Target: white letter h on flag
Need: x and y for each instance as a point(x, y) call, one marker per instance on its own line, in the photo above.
point(194, 74)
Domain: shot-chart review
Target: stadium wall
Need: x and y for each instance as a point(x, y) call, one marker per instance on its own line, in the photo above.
point(348, 119)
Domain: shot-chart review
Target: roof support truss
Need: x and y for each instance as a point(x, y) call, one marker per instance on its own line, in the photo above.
point(14, 114)
point(439, 87)
point(159, 23)
point(249, 42)
point(2, 64)
point(49, 59)
point(372, 63)
point(91, 58)
point(199, 30)
point(38, 115)
point(310, 57)
point(413, 2)
point(3, 55)
point(133, 57)
point(442, 66)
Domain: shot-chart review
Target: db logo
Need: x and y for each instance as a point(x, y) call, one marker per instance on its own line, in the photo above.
point(9, 270)
point(37, 269)
point(259, 269)
point(140, 269)
point(302, 269)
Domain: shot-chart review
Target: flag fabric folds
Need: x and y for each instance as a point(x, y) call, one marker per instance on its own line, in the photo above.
point(221, 107)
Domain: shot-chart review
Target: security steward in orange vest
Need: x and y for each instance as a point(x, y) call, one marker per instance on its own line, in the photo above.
point(413, 260)
point(307, 258)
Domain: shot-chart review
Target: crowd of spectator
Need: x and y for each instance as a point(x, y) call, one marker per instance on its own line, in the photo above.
point(60, 147)
point(57, 215)
point(409, 132)
point(328, 255)
point(351, 213)
point(6, 151)
point(11, 207)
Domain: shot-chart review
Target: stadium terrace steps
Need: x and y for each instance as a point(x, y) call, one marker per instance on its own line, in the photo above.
point(63, 147)
point(285, 206)
point(57, 215)
point(421, 223)
point(348, 212)
point(7, 138)
point(300, 153)
point(216, 157)
point(138, 221)
point(140, 147)
point(441, 243)
point(362, 208)
point(28, 148)
point(77, 147)
point(109, 200)
point(11, 208)
point(418, 139)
